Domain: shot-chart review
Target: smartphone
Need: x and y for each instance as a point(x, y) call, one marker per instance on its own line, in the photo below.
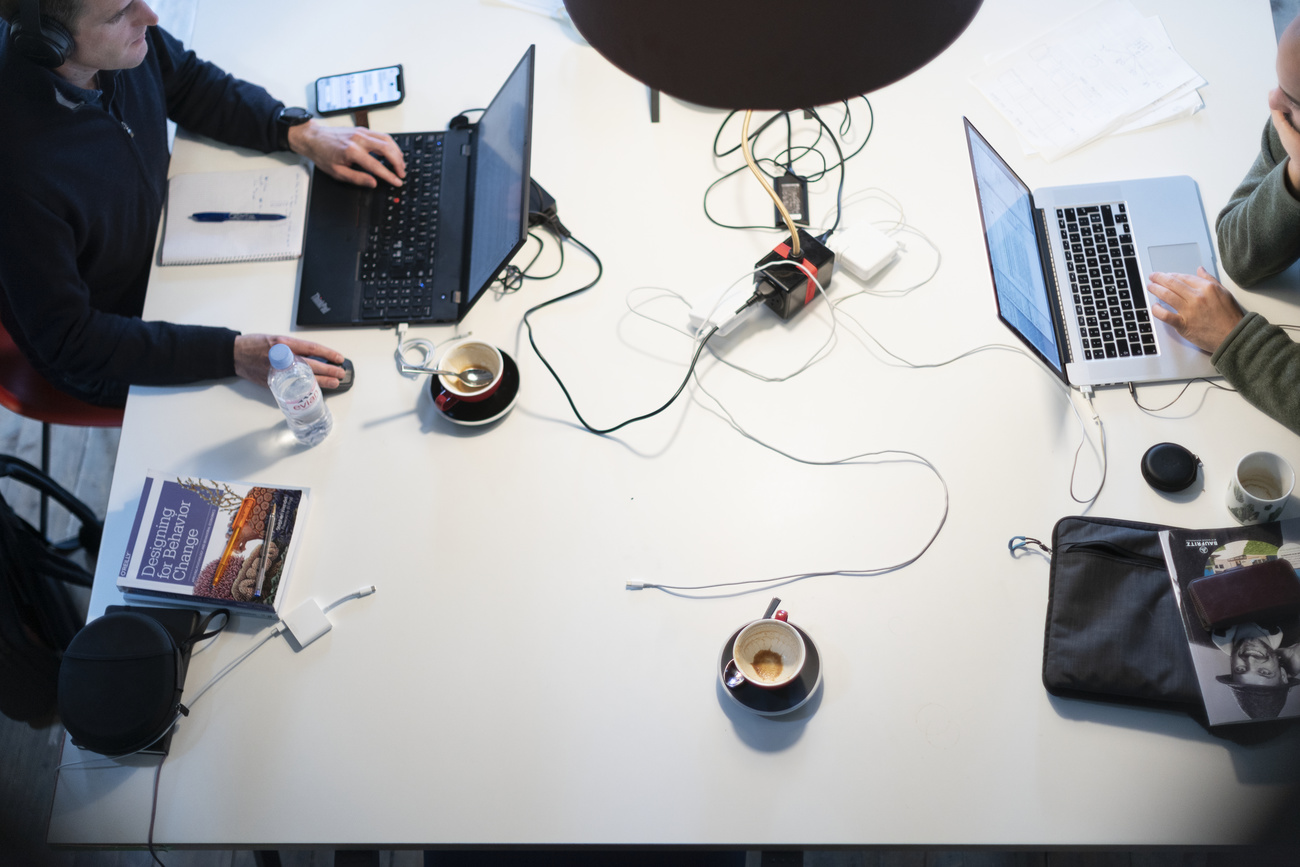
point(370, 88)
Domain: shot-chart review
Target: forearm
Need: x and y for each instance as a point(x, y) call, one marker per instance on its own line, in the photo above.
point(1263, 363)
point(87, 341)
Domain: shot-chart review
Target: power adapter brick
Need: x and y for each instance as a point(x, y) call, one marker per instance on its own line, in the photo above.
point(863, 249)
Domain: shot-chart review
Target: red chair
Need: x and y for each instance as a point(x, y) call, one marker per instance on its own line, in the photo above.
point(27, 393)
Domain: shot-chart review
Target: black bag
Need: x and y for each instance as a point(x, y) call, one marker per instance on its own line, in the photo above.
point(1113, 628)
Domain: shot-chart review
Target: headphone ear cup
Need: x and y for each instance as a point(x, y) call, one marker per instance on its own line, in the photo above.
point(49, 47)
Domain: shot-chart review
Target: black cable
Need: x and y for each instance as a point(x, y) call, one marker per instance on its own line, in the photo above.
point(1132, 390)
point(839, 193)
point(558, 268)
point(600, 271)
point(790, 156)
point(511, 278)
point(753, 137)
point(153, 811)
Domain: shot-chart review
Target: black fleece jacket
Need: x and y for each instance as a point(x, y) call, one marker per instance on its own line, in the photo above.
point(83, 177)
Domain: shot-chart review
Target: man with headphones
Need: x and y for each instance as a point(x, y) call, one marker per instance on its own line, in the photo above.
point(86, 88)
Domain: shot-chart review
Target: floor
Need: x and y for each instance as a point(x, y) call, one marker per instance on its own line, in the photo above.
point(83, 462)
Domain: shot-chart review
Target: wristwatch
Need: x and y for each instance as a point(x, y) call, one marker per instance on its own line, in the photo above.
point(286, 118)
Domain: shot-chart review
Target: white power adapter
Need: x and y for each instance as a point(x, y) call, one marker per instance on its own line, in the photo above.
point(863, 249)
point(306, 623)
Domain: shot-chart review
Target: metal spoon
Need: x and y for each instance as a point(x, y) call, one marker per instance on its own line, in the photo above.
point(471, 376)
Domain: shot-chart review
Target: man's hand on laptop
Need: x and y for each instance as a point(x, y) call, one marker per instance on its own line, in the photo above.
point(1199, 308)
point(350, 153)
point(252, 363)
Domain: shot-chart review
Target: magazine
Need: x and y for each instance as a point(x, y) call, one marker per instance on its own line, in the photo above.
point(214, 544)
point(1249, 670)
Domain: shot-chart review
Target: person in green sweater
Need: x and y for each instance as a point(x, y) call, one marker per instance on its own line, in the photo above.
point(1259, 235)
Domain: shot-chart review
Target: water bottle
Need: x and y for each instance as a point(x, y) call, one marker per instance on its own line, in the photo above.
point(296, 390)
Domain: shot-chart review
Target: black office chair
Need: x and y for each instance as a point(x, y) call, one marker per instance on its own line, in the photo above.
point(37, 614)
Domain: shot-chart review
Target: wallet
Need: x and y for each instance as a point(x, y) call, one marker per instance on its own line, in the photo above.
point(1263, 592)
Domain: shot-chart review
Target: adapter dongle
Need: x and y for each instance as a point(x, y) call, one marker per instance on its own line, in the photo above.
point(787, 288)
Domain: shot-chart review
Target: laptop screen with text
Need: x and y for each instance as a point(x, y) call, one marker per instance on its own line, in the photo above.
point(1024, 301)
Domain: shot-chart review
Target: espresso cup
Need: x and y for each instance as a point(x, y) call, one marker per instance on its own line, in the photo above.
point(769, 653)
point(1260, 488)
point(460, 355)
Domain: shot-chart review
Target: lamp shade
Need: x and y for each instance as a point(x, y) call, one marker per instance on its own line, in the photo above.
point(764, 54)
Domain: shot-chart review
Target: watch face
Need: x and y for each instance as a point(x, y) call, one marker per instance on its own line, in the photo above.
point(294, 116)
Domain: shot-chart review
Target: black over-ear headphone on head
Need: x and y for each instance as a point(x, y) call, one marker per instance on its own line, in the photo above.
point(39, 38)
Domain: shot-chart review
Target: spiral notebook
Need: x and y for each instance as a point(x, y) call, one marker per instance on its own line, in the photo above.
point(283, 191)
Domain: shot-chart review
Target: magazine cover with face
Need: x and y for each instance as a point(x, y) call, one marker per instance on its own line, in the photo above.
point(1239, 596)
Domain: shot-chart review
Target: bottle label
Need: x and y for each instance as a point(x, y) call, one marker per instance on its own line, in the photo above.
point(303, 404)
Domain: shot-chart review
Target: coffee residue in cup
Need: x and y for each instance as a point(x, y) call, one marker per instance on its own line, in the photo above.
point(767, 664)
point(1263, 487)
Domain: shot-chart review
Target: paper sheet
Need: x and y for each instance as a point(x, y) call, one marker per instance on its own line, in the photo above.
point(1093, 75)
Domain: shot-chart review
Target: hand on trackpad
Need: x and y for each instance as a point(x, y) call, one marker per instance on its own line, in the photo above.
point(1175, 259)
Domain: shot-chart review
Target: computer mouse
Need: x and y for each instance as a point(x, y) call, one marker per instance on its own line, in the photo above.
point(348, 375)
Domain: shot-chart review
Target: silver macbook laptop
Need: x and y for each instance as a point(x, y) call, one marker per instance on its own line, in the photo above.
point(1070, 267)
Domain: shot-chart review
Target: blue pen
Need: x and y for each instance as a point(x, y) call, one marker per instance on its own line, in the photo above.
point(223, 216)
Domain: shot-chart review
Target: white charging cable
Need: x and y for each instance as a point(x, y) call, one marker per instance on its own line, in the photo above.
point(422, 345)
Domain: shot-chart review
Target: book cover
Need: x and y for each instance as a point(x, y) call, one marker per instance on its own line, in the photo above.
point(1249, 671)
point(187, 528)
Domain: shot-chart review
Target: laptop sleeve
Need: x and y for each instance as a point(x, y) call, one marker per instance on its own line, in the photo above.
point(1113, 627)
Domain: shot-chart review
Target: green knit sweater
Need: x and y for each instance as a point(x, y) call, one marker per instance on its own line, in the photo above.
point(1259, 236)
point(1263, 363)
point(1259, 230)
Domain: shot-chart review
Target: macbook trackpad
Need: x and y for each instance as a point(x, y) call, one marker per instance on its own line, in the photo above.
point(1175, 258)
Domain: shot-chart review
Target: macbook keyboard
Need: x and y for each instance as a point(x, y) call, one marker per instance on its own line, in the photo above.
point(1109, 299)
point(397, 265)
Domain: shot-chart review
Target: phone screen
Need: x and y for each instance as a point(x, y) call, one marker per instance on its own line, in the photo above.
point(353, 90)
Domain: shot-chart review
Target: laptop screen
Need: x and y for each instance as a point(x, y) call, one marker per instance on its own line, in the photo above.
point(1024, 301)
point(499, 196)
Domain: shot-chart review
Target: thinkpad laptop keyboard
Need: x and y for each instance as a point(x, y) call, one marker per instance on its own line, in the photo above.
point(1109, 300)
point(397, 265)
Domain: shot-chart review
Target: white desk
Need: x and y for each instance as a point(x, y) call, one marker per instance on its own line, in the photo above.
point(503, 687)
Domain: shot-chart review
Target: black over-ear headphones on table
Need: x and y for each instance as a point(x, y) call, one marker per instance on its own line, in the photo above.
point(39, 38)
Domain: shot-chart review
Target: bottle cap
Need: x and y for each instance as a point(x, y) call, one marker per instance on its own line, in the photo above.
point(281, 356)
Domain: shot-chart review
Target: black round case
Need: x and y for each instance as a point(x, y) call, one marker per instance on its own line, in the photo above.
point(121, 680)
point(1169, 467)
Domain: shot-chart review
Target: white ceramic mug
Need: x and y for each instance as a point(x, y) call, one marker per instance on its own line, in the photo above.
point(1260, 488)
point(769, 653)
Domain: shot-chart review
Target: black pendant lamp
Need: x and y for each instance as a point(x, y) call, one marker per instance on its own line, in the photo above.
point(763, 54)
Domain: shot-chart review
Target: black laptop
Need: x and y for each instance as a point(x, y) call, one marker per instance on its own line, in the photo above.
point(426, 251)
